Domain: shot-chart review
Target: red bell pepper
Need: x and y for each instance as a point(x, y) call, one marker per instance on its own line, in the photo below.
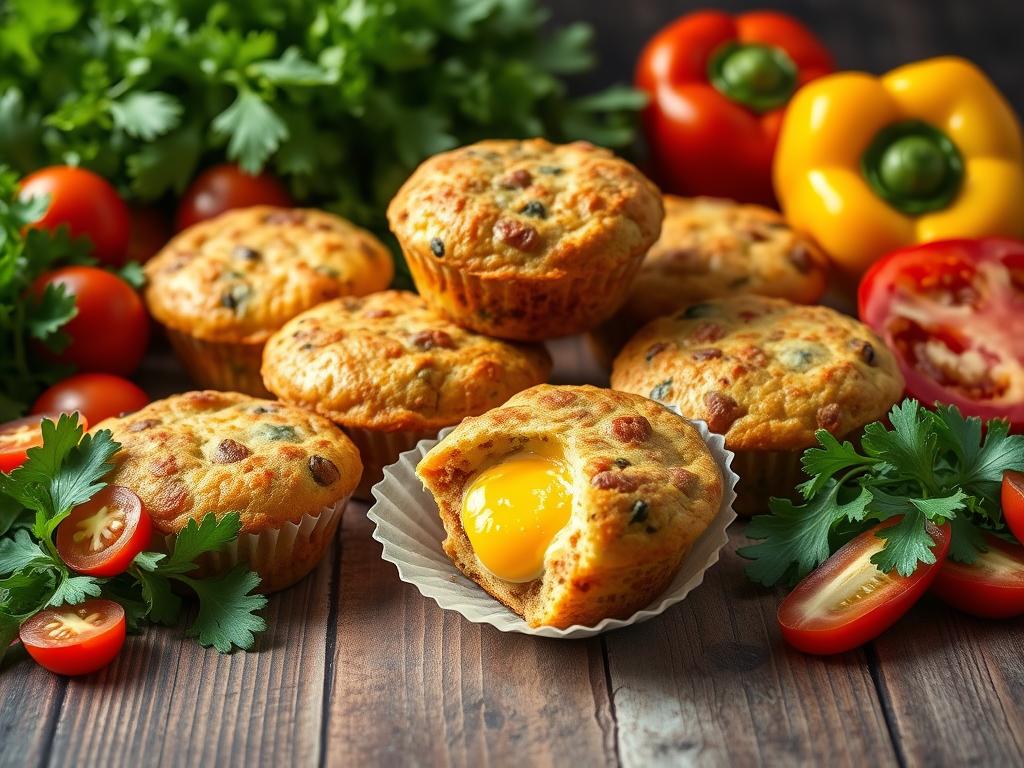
point(719, 86)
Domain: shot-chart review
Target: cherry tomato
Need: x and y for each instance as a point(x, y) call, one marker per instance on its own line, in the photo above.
point(951, 311)
point(224, 187)
point(75, 639)
point(1013, 502)
point(88, 204)
point(848, 601)
point(96, 395)
point(16, 437)
point(150, 231)
point(991, 587)
point(111, 329)
point(102, 536)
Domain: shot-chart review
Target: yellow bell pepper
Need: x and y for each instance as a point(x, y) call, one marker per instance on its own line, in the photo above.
point(927, 152)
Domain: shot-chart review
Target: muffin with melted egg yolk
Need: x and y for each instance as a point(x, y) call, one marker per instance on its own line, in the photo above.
point(572, 504)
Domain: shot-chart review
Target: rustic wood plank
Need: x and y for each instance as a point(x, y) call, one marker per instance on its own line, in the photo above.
point(413, 683)
point(710, 682)
point(953, 687)
point(167, 700)
point(31, 700)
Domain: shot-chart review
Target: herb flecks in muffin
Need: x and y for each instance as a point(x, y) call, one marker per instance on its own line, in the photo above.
point(660, 391)
point(520, 236)
point(277, 432)
point(323, 470)
point(864, 350)
point(534, 208)
point(229, 452)
point(622, 463)
point(638, 512)
point(437, 247)
point(694, 311)
point(654, 349)
point(235, 296)
point(245, 253)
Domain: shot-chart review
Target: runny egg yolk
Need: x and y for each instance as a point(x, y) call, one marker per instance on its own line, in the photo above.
point(513, 510)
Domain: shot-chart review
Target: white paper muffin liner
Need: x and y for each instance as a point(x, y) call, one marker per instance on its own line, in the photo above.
point(408, 526)
point(281, 556)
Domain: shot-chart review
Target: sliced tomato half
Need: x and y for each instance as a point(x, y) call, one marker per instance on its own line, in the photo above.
point(75, 639)
point(848, 601)
point(992, 586)
point(953, 312)
point(103, 536)
point(17, 436)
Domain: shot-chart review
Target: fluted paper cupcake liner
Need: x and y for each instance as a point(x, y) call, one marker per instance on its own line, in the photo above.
point(281, 556)
point(378, 449)
point(221, 365)
point(408, 526)
point(764, 474)
point(522, 309)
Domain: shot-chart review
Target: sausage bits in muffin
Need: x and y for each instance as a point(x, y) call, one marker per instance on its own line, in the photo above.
point(286, 471)
point(223, 286)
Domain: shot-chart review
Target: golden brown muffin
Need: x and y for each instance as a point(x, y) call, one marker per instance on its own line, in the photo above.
point(767, 374)
point(286, 471)
point(526, 240)
point(223, 286)
point(713, 248)
point(643, 488)
point(391, 371)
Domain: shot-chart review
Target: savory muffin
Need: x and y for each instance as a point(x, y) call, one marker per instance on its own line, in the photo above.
point(713, 248)
point(223, 286)
point(391, 371)
point(573, 504)
point(286, 471)
point(766, 374)
point(525, 240)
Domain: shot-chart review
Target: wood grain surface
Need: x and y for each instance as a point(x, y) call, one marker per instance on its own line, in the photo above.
point(358, 669)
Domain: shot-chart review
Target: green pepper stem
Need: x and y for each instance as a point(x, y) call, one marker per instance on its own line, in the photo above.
point(760, 77)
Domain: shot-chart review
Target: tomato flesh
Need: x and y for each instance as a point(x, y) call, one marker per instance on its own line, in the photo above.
point(103, 536)
point(98, 396)
point(87, 204)
point(111, 330)
point(991, 587)
point(848, 601)
point(1013, 502)
point(951, 311)
point(16, 437)
point(225, 187)
point(75, 639)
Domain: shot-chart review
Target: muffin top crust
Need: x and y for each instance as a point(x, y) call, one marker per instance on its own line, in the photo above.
point(764, 372)
point(387, 362)
point(527, 208)
point(240, 276)
point(711, 248)
point(220, 452)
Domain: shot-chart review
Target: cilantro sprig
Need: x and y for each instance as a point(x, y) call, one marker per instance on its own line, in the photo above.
point(68, 469)
point(930, 465)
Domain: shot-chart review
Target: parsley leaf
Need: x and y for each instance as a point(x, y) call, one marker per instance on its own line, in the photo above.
point(194, 539)
point(146, 115)
point(227, 610)
point(253, 129)
point(20, 552)
point(73, 590)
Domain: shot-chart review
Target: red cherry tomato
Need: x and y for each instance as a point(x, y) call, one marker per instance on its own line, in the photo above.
point(98, 396)
point(991, 587)
point(103, 536)
point(951, 311)
point(88, 204)
point(1013, 502)
point(75, 639)
point(224, 187)
point(16, 437)
point(111, 329)
point(848, 601)
point(150, 231)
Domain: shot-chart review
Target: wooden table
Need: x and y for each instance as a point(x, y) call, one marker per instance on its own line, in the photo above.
point(357, 668)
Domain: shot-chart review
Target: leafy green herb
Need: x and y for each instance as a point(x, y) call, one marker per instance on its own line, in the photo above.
point(67, 470)
point(930, 466)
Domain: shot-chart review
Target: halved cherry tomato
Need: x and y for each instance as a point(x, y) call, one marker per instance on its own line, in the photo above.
point(224, 187)
point(848, 601)
point(1013, 502)
point(991, 587)
point(75, 639)
point(96, 395)
point(103, 536)
point(17, 436)
point(951, 311)
point(88, 204)
point(111, 329)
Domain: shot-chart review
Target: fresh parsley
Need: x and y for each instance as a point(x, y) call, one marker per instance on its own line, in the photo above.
point(67, 470)
point(930, 465)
